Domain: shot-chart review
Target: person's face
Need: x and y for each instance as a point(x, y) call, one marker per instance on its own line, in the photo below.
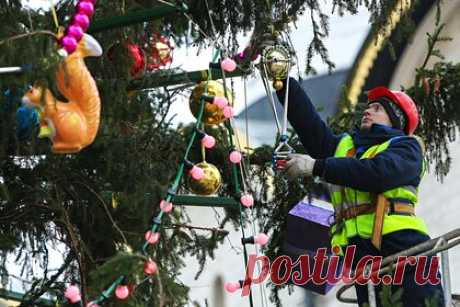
point(375, 114)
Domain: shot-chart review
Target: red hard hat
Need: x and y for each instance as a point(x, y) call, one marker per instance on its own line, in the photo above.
point(402, 100)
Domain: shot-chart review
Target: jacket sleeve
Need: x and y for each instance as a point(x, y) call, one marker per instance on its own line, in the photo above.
point(316, 137)
point(400, 164)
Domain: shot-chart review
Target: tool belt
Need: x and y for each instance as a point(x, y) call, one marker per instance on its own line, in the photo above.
point(382, 206)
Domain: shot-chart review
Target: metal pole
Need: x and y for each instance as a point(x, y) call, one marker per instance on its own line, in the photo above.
point(135, 17)
point(371, 294)
point(446, 277)
point(15, 69)
point(370, 288)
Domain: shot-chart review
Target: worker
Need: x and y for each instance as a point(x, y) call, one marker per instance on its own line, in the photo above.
point(373, 173)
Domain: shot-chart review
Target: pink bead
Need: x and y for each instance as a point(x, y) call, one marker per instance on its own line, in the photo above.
point(166, 206)
point(121, 292)
point(152, 237)
point(232, 286)
point(228, 65)
point(72, 293)
point(82, 20)
point(208, 141)
point(228, 112)
point(150, 267)
point(92, 304)
point(197, 173)
point(75, 31)
point(247, 200)
point(235, 157)
point(69, 43)
point(221, 102)
point(261, 239)
point(85, 7)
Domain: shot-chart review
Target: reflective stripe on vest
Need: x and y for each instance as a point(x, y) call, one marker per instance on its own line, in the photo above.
point(344, 197)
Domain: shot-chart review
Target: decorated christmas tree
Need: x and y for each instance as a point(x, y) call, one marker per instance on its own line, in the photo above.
point(91, 161)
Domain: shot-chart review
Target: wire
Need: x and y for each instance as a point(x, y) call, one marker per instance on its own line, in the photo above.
point(243, 168)
point(246, 116)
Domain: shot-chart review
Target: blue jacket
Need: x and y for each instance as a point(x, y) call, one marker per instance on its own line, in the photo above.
point(400, 164)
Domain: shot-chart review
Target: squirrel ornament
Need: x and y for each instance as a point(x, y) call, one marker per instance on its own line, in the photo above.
point(70, 125)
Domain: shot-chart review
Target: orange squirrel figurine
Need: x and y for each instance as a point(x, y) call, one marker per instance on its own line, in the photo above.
point(70, 125)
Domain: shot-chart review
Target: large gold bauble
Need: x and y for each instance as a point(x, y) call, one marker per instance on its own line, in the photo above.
point(277, 62)
point(212, 114)
point(209, 184)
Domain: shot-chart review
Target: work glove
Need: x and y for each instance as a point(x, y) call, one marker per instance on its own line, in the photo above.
point(299, 166)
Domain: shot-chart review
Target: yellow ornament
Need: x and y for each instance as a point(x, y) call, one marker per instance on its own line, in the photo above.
point(277, 62)
point(212, 115)
point(210, 183)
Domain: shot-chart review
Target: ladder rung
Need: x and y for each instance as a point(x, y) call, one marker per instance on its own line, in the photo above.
point(205, 201)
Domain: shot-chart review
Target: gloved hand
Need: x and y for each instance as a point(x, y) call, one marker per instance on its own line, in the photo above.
point(299, 165)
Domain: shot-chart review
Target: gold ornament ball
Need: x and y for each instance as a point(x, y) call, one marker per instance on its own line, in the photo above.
point(278, 85)
point(212, 114)
point(209, 184)
point(277, 64)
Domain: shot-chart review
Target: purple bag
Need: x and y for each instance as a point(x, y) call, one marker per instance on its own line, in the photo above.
point(307, 230)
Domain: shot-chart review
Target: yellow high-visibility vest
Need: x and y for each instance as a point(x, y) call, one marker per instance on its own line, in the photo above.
point(362, 225)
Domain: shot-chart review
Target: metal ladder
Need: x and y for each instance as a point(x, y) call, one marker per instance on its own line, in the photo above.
point(441, 244)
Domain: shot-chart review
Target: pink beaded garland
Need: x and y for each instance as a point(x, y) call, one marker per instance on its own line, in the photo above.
point(197, 173)
point(72, 293)
point(69, 43)
point(228, 112)
point(208, 141)
point(231, 287)
point(166, 206)
point(152, 237)
point(82, 20)
point(75, 31)
point(247, 200)
point(86, 8)
point(235, 157)
point(228, 65)
point(150, 267)
point(261, 239)
point(221, 102)
point(122, 292)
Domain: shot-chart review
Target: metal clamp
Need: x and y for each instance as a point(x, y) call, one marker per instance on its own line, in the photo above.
point(280, 154)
